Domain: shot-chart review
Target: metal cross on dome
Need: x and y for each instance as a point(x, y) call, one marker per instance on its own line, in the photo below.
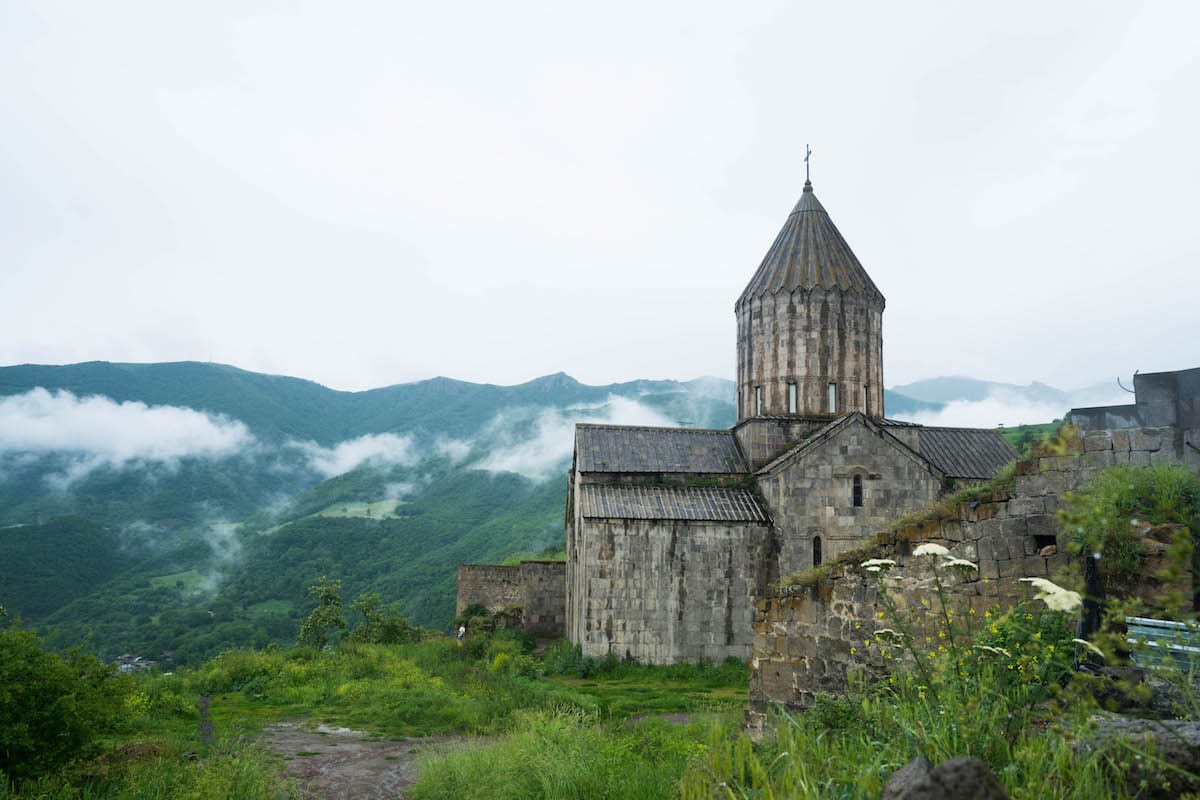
point(807, 153)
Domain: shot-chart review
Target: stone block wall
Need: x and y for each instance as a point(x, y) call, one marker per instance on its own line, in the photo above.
point(762, 439)
point(492, 586)
point(537, 588)
point(662, 592)
point(544, 598)
point(807, 640)
point(813, 494)
point(810, 338)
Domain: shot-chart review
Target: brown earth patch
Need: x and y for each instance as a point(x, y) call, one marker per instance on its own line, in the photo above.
point(331, 763)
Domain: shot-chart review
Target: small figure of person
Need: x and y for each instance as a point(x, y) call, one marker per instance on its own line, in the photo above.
point(462, 633)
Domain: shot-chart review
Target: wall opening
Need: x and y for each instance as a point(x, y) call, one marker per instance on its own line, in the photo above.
point(867, 399)
point(791, 391)
point(1041, 540)
point(856, 491)
point(758, 401)
point(832, 399)
point(816, 551)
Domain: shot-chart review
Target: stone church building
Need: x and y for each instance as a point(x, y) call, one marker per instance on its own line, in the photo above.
point(675, 535)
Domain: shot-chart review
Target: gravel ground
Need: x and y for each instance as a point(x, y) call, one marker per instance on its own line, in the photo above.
point(332, 763)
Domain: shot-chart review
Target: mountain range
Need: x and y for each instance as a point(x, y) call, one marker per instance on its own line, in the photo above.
point(186, 507)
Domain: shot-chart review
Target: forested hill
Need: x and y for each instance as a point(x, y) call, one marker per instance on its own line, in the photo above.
point(279, 407)
point(187, 506)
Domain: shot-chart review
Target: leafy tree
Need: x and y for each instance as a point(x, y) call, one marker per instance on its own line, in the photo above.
point(52, 706)
point(318, 627)
point(380, 624)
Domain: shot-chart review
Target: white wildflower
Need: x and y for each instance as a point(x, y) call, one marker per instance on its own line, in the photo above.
point(931, 549)
point(877, 564)
point(1054, 596)
point(1000, 651)
point(1089, 646)
point(960, 562)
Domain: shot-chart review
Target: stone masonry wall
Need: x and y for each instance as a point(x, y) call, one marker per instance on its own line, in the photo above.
point(808, 639)
point(492, 586)
point(813, 495)
point(662, 592)
point(762, 439)
point(812, 339)
point(544, 598)
point(538, 588)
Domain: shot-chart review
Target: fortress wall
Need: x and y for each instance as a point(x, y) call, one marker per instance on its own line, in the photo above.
point(538, 588)
point(807, 640)
point(491, 586)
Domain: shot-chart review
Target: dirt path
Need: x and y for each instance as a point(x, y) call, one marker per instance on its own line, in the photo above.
point(340, 764)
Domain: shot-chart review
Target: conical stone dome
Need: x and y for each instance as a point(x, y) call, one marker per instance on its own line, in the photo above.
point(810, 253)
point(810, 321)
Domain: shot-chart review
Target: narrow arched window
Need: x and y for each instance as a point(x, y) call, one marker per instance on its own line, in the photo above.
point(833, 398)
point(758, 401)
point(791, 394)
point(857, 491)
point(816, 551)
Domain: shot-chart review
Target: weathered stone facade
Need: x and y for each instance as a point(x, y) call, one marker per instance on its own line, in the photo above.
point(544, 598)
point(808, 639)
point(668, 591)
point(492, 586)
point(812, 490)
point(812, 340)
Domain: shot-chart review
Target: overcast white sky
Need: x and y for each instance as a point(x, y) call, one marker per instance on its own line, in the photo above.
point(368, 193)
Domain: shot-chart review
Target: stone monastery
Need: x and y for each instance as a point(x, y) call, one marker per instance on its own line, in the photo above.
point(675, 535)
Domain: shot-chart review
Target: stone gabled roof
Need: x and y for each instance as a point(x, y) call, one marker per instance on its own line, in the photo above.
point(823, 435)
point(623, 448)
point(681, 503)
point(967, 453)
point(962, 453)
point(810, 253)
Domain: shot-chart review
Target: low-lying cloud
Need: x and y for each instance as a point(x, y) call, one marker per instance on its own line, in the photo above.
point(1004, 408)
point(225, 549)
point(541, 450)
point(101, 431)
point(377, 449)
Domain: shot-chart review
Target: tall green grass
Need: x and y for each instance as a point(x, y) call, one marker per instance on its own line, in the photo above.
point(568, 754)
point(234, 768)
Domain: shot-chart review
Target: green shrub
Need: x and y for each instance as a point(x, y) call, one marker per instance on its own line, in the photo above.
point(380, 624)
point(51, 706)
point(1102, 516)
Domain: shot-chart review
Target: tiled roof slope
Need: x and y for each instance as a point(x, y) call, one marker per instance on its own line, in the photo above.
point(966, 452)
point(620, 448)
point(810, 253)
point(689, 503)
